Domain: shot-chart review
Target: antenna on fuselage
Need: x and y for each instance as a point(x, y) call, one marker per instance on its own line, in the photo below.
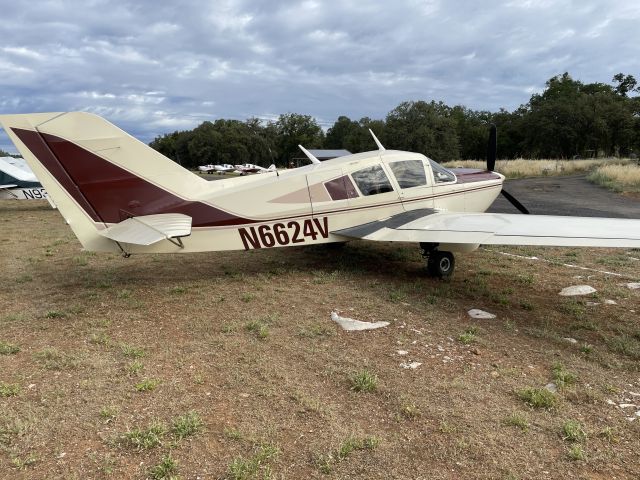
point(309, 155)
point(380, 147)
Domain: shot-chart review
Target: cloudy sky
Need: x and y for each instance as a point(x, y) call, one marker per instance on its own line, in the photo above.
point(154, 69)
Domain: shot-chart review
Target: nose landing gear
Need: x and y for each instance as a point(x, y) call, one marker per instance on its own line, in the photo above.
point(439, 264)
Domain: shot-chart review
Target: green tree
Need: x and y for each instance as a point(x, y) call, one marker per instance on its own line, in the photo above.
point(293, 129)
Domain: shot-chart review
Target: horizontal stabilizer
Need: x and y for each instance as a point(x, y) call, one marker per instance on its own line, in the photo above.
point(149, 229)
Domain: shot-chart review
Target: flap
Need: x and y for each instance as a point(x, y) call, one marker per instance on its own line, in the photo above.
point(149, 229)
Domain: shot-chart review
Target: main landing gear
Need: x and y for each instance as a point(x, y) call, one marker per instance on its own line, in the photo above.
point(439, 264)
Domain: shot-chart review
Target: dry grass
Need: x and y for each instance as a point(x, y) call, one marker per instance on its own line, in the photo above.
point(619, 178)
point(231, 403)
point(520, 168)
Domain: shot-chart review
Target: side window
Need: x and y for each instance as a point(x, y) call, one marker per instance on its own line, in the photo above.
point(372, 180)
point(409, 173)
point(441, 174)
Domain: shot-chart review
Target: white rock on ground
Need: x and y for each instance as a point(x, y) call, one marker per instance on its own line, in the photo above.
point(551, 387)
point(570, 340)
point(402, 352)
point(633, 285)
point(480, 314)
point(577, 290)
point(350, 324)
point(412, 365)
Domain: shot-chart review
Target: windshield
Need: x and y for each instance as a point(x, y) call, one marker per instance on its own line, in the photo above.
point(441, 174)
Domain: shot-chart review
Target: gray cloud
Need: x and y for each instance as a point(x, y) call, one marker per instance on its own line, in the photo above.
point(153, 68)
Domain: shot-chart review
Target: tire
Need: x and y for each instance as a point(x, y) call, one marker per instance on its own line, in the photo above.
point(441, 264)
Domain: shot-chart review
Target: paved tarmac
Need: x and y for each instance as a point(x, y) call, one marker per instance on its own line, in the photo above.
point(570, 195)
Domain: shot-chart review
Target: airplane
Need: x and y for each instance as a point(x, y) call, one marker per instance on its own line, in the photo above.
point(251, 168)
point(224, 168)
point(207, 168)
point(119, 195)
point(18, 182)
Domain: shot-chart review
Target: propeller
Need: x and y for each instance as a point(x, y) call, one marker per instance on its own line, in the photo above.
point(492, 149)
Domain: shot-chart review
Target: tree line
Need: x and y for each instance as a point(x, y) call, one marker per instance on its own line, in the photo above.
point(569, 119)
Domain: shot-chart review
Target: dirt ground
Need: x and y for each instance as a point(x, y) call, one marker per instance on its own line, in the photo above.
point(229, 366)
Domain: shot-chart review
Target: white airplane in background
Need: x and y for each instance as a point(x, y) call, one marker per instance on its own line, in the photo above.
point(119, 195)
point(207, 168)
point(251, 168)
point(224, 168)
point(18, 182)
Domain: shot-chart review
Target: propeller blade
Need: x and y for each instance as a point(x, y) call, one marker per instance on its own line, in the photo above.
point(492, 148)
point(514, 202)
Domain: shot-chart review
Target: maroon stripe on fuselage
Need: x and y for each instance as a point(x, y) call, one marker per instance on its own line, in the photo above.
point(109, 193)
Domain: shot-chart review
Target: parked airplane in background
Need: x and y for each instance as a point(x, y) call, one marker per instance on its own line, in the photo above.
point(251, 168)
point(207, 168)
point(224, 168)
point(118, 194)
point(18, 182)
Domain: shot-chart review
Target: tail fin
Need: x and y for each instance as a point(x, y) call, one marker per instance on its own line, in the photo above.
point(97, 174)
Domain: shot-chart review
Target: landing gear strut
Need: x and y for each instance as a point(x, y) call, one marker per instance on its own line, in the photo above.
point(439, 264)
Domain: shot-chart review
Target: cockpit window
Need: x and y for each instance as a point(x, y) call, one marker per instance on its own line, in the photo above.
point(409, 173)
point(441, 174)
point(372, 180)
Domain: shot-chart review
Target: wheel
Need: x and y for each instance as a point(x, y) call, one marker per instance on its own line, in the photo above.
point(441, 264)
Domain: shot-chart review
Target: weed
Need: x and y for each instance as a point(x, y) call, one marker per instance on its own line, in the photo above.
point(108, 413)
point(346, 448)
point(526, 305)
point(468, 336)
point(24, 278)
point(321, 276)
point(228, 328)
point(9, 389)
point(53, 359)
point(573, 431)
point(8, 348)
point(626, 345)
point(54, 314)
point(257, 466)
point(538, 397)
point(124, 293)
point(576, 452)
point(135, 367)
point(586, 348)
point(99, 338)
point(143, 439)
point(247, 297)
point(186, 425)
point(178, 290)
point(517, 420)
point(165, 470)
point(259, 328)
point(410, 411)
point(131, 351)
point(562, 376)
point(397, 296)
point(525, 279)
point(233, 433)
point(609, 435)
point(21, 464)
point(363, 381)
point(81, 261)
point(573, 308)
point(147, 385)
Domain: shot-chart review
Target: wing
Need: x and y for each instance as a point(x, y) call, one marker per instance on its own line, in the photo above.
point(500, 229)
point(149, 229)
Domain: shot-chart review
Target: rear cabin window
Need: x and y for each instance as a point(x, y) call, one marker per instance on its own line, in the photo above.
point(409, 173)
point(441, 174)
point(372, 180)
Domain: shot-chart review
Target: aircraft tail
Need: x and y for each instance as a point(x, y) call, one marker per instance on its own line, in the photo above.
point(98, 175)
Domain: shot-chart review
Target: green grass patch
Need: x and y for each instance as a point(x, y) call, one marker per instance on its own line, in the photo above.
point(562, 376)
point(186, 425)
point(363, 381)
point(258, 466)
point(147, 385)
point(538, 397)
point(518, 420)
point(167, 469)
point(573, 431)
point(8, 348)
point(53, 359)
point(131, 351)
point(577, 453)
point(469, 336)
point(347, 447)
point(145, 438)
point(9, 389)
